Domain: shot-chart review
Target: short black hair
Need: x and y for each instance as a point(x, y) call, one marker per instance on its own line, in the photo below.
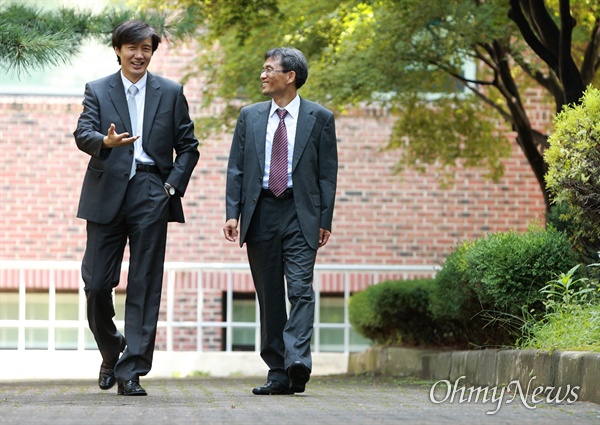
point(291, 59)
point(134, 32)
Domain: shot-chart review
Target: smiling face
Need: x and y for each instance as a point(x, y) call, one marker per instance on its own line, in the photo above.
point(135, 59)
point(275, 82)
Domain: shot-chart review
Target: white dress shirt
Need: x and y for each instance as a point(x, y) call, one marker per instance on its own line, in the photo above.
point(291, 122)
point(140, 100)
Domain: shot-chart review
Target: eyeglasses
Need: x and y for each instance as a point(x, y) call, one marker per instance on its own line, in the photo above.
point(270, 71)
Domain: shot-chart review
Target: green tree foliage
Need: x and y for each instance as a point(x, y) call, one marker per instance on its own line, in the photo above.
point(393, 51)
point(385, 51)
point(574, 168)
point(35, 38)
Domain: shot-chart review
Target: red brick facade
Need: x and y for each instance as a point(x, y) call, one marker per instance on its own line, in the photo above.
point(380, 218)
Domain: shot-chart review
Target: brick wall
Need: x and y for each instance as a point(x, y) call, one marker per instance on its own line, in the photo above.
point(380, 218)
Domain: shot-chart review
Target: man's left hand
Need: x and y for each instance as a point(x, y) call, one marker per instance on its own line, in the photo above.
point(323, 237)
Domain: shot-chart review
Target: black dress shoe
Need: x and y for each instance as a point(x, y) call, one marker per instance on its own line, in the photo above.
point(131, 387)
point(106, 378)
point(272, 388)
point(299, 376)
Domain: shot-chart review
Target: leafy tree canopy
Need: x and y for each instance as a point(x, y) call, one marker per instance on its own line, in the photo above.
point(392, 52)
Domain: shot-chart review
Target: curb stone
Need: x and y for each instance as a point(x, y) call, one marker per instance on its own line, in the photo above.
point(560, 369)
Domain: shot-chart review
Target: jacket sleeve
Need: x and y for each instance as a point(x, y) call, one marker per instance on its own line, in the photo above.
point(235, 170)
point(185, 145)
point(328, 168)
point(88, 135)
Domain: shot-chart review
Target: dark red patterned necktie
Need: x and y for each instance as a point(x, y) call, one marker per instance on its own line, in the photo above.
point(279, 157)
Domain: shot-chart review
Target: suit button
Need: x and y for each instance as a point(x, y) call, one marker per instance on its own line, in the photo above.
point(130, 150)
point(254, 200)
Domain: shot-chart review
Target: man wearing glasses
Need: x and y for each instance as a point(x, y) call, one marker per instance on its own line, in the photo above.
point(281, 183)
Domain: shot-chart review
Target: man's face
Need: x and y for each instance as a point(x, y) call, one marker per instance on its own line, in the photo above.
point(135, 59)
point(274, 81)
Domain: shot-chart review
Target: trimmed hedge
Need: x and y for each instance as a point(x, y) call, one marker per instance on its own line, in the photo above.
point(481, 296)
point(487, 287)
point(397, 313)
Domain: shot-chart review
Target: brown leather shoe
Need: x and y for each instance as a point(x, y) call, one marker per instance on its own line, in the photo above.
point(272, 388)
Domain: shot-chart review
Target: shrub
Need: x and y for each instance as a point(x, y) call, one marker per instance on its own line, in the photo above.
point(574, 168)
point(572, 319)
point(486, 288)
point(396, 313)
point(453, 298)
point(508, 269)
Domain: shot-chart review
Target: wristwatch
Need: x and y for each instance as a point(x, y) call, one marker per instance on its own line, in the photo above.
point(169, 189)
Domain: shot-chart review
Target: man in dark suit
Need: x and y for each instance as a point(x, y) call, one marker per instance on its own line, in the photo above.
point(131, 124)
point(281, 183)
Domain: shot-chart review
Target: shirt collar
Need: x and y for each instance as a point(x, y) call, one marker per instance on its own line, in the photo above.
point(292, 108)
point(141, 83)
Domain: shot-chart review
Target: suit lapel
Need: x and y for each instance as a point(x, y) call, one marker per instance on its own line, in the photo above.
point(304, 126)
point(116, 92)
point(259, 122)
point(153, 95)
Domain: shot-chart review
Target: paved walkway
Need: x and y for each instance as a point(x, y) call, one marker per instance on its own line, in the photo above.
point(328, 400)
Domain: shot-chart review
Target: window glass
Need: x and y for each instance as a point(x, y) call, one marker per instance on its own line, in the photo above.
point(9, 305)
point(36, 306)
point(9, 338)
point(244, 310)
point(67, 306)
point(36, 338)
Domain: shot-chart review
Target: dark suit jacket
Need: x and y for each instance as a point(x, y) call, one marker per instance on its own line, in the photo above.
point(314, 167)
point(167, 128)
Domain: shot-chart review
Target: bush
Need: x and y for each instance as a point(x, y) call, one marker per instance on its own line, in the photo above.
point(507, 270)
point(397, 313)
point(486, 288)
point(574, 168)
point(572, 318)
point(574, 330)
point(453, 298)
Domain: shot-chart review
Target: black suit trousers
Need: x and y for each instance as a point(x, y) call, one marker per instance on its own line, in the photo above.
point(142, 219)
point(280, 258)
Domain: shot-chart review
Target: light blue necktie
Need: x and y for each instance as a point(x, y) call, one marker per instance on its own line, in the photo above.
point(132, 105)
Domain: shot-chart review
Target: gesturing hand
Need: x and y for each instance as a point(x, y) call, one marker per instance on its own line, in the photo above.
point(114, 140)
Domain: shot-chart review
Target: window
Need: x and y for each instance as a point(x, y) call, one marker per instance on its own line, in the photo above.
point(243, 311)
point(39, 329)
point(9, 310)
point(330, 327)
point(332, 339)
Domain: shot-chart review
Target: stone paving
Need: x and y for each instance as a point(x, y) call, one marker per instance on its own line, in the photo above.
point(337, 399)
